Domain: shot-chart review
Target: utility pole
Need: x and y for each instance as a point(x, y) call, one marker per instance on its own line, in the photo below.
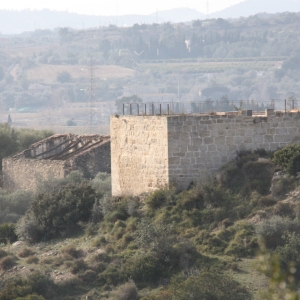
point(91, 102)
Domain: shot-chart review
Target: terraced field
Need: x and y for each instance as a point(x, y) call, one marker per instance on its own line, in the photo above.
point(210, 67)
point(48, 73)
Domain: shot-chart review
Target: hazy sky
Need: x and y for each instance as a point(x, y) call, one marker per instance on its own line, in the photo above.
point(113, 7)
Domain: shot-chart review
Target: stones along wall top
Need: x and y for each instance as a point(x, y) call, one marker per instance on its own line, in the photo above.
point(139, 154)
point(149, 151)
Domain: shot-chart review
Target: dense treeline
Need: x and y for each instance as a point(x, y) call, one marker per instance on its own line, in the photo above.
point(13, 139)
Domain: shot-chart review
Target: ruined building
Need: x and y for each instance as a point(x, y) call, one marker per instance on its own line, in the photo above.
point(153, 151)
point(56, 156)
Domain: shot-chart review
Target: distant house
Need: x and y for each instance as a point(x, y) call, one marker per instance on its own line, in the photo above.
point(37, 88)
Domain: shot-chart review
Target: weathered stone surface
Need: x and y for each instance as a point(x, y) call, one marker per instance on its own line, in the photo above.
point(189, 145)
point(55, 157)
point(133, 171)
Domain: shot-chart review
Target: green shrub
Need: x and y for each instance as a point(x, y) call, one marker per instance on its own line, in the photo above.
point(25, 252)
point(52, 184)
point(126, 291)
point(72, 251)
point(99, 241)
point(28, 229)
point(283, 185)
point(208, 286)
point(3, 253)
point(156, 199)
point(144, 268)
point(32, 260)
point(289, 159)
point(31, 297)
point(78, 266)
point(102, 184)
point(247, 173)
point(58, 213)
point(272, 231)
point(7, 233)
point(7, 262)
point(88, 276)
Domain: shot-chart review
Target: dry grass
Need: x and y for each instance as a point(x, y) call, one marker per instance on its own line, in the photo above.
point(248, 275)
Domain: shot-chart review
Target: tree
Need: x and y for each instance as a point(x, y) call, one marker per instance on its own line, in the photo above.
point(64, 77)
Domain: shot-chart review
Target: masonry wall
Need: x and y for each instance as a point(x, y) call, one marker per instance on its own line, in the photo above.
point(199, 145)
point(151, 151)
point(24, 173)
point(139, 160)
point(92, 161)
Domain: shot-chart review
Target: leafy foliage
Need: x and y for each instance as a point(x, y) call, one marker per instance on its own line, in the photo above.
point(289, 159)
point(58, 212)
point(36, 286)
point(13, 140)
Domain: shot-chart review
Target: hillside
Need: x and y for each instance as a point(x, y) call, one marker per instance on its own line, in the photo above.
point(252, 7)
point(203, 241)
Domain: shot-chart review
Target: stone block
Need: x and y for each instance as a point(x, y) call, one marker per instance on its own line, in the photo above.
point(208, 140)
point(205, 133)
point(230, 132)
point(229, 140)
point(268, 138)
point(220, 140)
point(278, 138)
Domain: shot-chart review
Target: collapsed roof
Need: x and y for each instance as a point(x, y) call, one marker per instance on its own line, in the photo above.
point(63, 146)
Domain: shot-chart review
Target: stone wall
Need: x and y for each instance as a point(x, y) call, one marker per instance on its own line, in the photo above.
point(93, 161)
point(23, 174)
point(196, 145)
point(90, 157)
point(139, 160)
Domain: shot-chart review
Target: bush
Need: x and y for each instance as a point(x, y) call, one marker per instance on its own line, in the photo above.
point(164, 196)
point(144, 268)
point(88, 276)
point(208, 286)
point(72, 251)
point(14, 205)
point(31, 297)
point(52, 184)
point(3, 253)
point(282, 185)
point(7, 262)
point(7, 233)
point(32, 260)
point(58, 213)
point(272, 231)
point(25, 252)
point(289, 159)
point(102, 184)
point(126, 291)
point(77, 266)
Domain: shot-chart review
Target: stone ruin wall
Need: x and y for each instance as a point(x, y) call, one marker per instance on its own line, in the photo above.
point(19, 172)
point(139, 154)
point(24, 174)
point(91, 162)
point(150, 151)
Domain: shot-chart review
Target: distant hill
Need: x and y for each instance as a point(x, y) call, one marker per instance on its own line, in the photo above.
point(252, 7)
point(179, 15)
point(14, 22)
